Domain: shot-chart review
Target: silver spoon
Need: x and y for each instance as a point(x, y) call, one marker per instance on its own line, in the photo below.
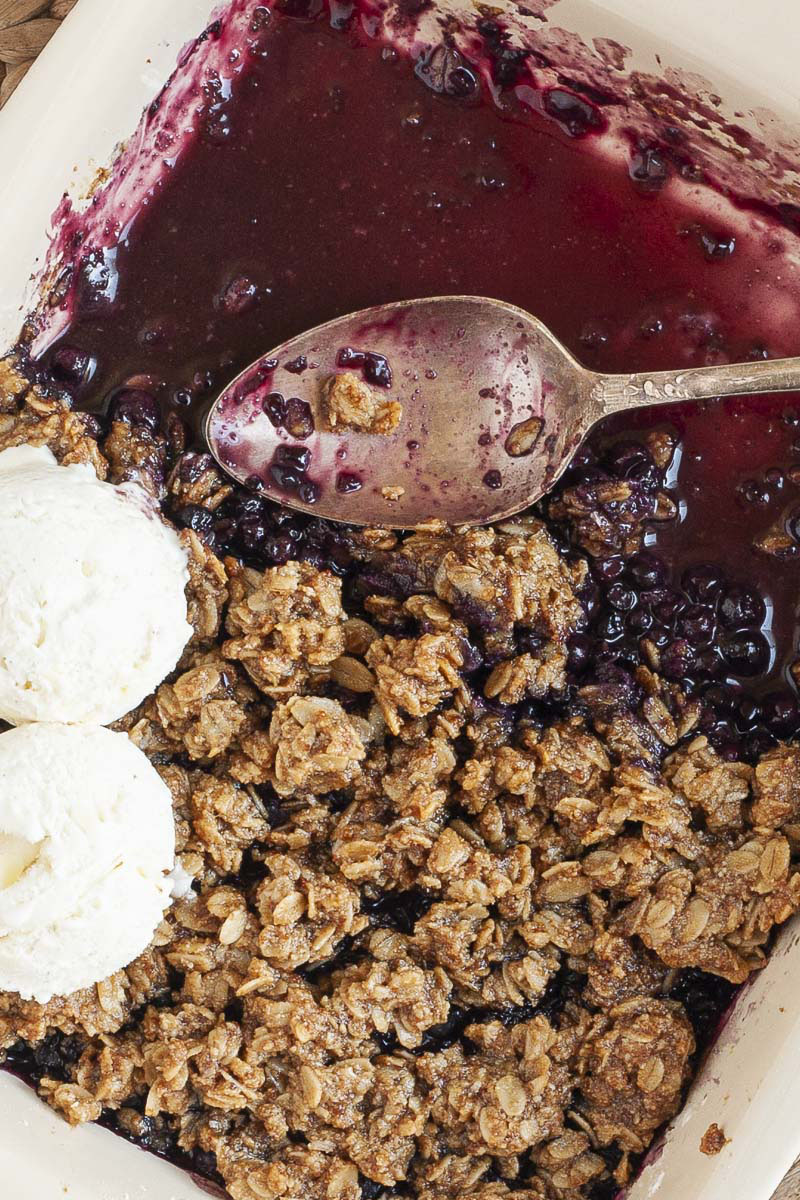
point(493, 410)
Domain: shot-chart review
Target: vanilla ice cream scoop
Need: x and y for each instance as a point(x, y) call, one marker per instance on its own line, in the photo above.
point(92, 603)
point(87, 840)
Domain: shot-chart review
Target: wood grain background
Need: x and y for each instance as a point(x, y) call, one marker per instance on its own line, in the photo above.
point(26, 27)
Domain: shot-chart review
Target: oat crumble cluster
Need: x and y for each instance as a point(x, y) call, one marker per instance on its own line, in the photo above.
point(350, 403)
point(433, 943)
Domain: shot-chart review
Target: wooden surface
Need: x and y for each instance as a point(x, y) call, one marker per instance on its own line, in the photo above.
point(26, 27)
point(790, 1188)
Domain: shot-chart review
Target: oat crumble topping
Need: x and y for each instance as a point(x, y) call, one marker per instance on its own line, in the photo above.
point(713, 1140)
point(350, 403)
point(433, 942)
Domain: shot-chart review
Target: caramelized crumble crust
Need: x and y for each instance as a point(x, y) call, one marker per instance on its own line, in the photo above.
point(350, 403)
point(713, 1140)
point(432, 941)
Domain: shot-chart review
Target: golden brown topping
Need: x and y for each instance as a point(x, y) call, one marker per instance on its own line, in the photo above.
point(42, 422)
point(414, 675)
point(713, 1140)
point(204, 710)
point(349, 403)
point(305, 911)
point(207, 590)
point(393, 493)
point(226, 819)
point(777, 788)
point(515, 678)
point(506, 1098)
point(286, 625)
point(633, 1068)
point(713, 789)
point(317, 747)
point(511, 575)
point(720, 917)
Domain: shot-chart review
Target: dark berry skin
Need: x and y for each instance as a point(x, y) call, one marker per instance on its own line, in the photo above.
point(747, 653)
point(240, 296)
point(70, 365)
point(135, 407)
point(742, 608)
point(647, 570)
point(677, 659)
point(299, 420)
point(703, 584)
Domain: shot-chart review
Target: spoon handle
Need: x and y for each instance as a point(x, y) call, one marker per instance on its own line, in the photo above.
point(615, 393)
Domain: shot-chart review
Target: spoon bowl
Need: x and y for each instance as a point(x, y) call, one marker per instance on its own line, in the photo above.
point(493, 410)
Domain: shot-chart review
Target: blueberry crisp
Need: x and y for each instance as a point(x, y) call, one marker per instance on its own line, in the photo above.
point(480, 828)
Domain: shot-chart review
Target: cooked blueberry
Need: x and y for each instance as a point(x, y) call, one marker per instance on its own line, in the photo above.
point(757, 743)
point(697, 623)
point(753, 492)
point(136, 407)
point(793, 524)
point(721, 698)
point(577, 116)
point(239, 296)
point(579, 650)
point(274, 406)
point(621, 597)
point(196, 518)
point(308, 492)
point(678, 659)
point(252, 533)
point(748, 713)
point(348, 481)
point(703, 583)
point(296, 366)
point(647, 570)
point(781, 712)
point(461, 82)
point(286, 478)
point(747, 652)
point(715, 245)
point(348, 357)
point(608, 569)
point(611, 626)
point(71, 365)
point(279, 549)
point(631, 460)
point(299, 420)
point(708, 661)
point(667, 610)
point(293, 456)
point(93, 425)
point(639, 621)
point(649, 168)
point(742, 607)
point(377, 370)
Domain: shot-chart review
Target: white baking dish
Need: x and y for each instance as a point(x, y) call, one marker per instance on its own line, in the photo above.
point(82, 97)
